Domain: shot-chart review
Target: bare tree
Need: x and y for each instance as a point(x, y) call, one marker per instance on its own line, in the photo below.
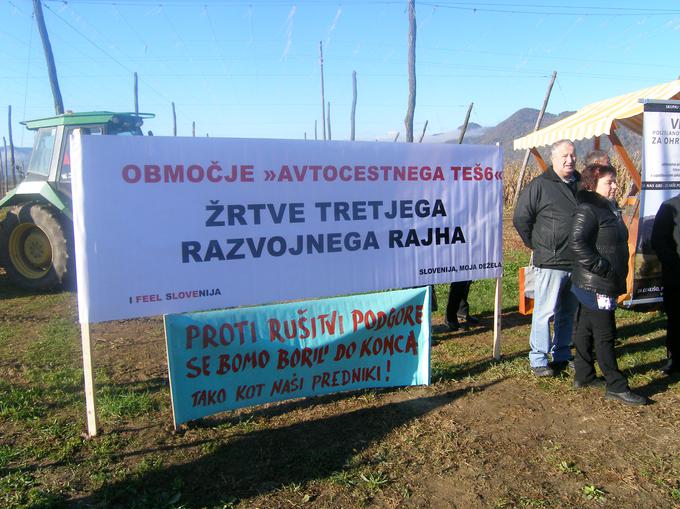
point(49, 57)
point(408, 121)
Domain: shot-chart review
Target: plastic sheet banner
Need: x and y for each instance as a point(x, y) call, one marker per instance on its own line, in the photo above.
point(660, 181)
point(170, 225)
point(223, 360)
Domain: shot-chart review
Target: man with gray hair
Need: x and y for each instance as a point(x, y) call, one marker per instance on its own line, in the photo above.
point(543, 219)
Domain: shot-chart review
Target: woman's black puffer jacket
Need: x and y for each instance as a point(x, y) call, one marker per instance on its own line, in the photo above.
point(599, 243)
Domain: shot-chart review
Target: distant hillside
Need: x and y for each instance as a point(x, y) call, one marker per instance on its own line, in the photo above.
point(471, 127)
point(22, 155)
point(515, 126)
point(521, 123)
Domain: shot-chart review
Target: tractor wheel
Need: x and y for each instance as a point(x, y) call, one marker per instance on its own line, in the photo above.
point(36, 247)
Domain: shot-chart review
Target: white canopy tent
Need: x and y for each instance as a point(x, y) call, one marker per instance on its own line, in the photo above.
point(601, 118)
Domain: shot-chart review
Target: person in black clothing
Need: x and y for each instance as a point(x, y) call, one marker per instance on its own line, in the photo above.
point(457, 307)
point(599, 243)
point(542, 219)
point(666, 243)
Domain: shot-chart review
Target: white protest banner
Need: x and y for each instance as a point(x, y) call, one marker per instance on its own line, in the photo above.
point(168, 225)
point(660, 181)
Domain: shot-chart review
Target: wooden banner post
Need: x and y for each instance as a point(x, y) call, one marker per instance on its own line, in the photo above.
point(498, 308)
point(90, 402)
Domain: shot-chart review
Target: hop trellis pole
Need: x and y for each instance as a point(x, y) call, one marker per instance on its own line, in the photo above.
point(408, 121)
point(520, 177)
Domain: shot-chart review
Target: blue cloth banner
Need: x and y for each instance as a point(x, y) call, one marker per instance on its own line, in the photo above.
point(223, 360)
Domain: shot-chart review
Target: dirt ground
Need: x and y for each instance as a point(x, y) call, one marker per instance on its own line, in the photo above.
point(484, 434)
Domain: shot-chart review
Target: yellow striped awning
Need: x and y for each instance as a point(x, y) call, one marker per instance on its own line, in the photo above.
point(600, 117)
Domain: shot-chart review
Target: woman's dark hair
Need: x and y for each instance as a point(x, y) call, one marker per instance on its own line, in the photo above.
point(593, 173)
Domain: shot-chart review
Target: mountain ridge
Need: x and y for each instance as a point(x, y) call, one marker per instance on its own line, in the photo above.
point(521, 123)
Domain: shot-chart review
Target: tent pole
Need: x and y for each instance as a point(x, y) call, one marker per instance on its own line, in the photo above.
point(628, 163)
point(539, 160)
point(631, 210)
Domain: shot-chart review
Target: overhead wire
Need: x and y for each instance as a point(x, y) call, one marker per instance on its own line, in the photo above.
point(88, 39)
point(497, 7)
point(505, 8)
point(10, 2)
point(145, 44)
point(179, 39)
point(477, 5)
point(218, 49)
point(105, 87)
point(487, 72)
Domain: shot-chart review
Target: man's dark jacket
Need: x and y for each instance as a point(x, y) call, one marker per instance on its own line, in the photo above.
point(543, 219)
point(599, 243)
point(666, 240)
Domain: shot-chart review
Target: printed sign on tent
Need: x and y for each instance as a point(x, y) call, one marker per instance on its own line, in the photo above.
point(660, 181)
point(235, 358)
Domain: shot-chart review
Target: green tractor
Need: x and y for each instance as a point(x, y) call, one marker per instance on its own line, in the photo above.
point(36, 235)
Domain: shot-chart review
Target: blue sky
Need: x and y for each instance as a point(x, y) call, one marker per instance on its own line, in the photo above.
point(251, 68)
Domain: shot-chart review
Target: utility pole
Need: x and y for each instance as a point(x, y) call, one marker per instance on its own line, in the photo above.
point(174, 120)
point(354, 104)
point(3, 188)
point(422, 135)
point(12, 163)
point(4, 143)
point(465, 124)
point(520, 178)
point(329, 120)
point(323, 97)
point(408, 121)
point(136, 92)
point(49, 57)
